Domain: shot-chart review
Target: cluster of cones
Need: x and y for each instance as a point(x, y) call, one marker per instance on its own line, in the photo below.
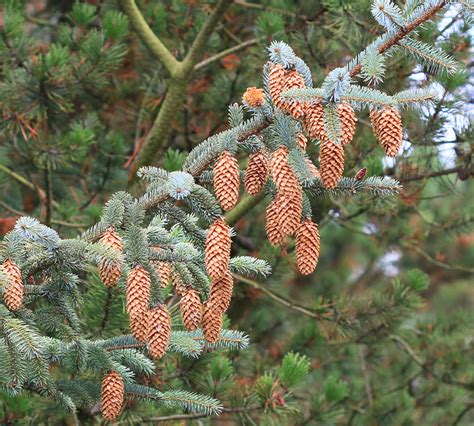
point(386, 122)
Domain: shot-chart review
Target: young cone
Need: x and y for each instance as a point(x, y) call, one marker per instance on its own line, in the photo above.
point(138, 292)
point(283, 175)
point(307, 246)
point(256, 172)
point(294, 80)
point(314, 121)
point(227, 180)
point(191, 310)
point(331, 163)
point(348, 122)
point(112, 393)
point(13, 294)
point(211, 323)
point(276, 81)
point(221, 293)
point(272, 226)
point(159, 331)
point(390, 130)
point(110, 273)
point(254, 97)
point(217, 252)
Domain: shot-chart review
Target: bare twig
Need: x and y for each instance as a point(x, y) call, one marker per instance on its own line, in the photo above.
point(226, 52)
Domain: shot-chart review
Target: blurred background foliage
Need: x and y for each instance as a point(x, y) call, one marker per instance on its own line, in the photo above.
point(381, 333)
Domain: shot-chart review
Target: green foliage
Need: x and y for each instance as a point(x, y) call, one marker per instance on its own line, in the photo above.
point(294, 368)
point(353, 343)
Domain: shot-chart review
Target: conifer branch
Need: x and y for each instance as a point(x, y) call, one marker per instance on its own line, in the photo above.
point(403, 32)
point(149, 38)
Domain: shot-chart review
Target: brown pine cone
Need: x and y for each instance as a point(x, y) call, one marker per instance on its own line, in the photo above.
point(390, 130)
point(221, 293)
point(191, 310)
point(179, 287)
point(272, 227)
point(110, 273)
point(139, 326)
point(314, 121)
point(227, 180)
point(301, 141)
point(348, 121)
point(294, 80)
point(112, 394)
point(276, 81)
point(254, 97)
point(312, 168)
point(211, 323)
point(159, 331)
point(331, 163)
point(163, 270)
point(374, 119)
point(256, 172)
point(217, 253)
point(285, 179)
point(289, 212)
point(138, 292)
point(307, 246)
point(13, 294)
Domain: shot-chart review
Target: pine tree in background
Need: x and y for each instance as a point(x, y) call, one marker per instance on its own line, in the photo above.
point(64, 332)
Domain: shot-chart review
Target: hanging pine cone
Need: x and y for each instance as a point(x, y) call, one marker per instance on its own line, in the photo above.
point(191, 309)
point(139, 326)
point(179, 287)
point(138, 292)
point(254, 97)
point(13, 294)
point(227, 180)
point(276, 81)
point(331, 163)
point(390, 130)
point(112, 394)
point(272, 226)
point(110, 273)
point(256, 172)
point(159, 331)
point(211, 323)
point(348, 122)
point(314, 121)
point(301, 141)
point(163, 270)
point(217, 253)
point(374, 119)
point(307, 246)
point(294, 107)
point(285, 179)
point(289, 212)
point(221, 293)
point(312, 168)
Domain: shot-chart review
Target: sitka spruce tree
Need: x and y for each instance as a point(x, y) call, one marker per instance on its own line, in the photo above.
point(128, 319)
